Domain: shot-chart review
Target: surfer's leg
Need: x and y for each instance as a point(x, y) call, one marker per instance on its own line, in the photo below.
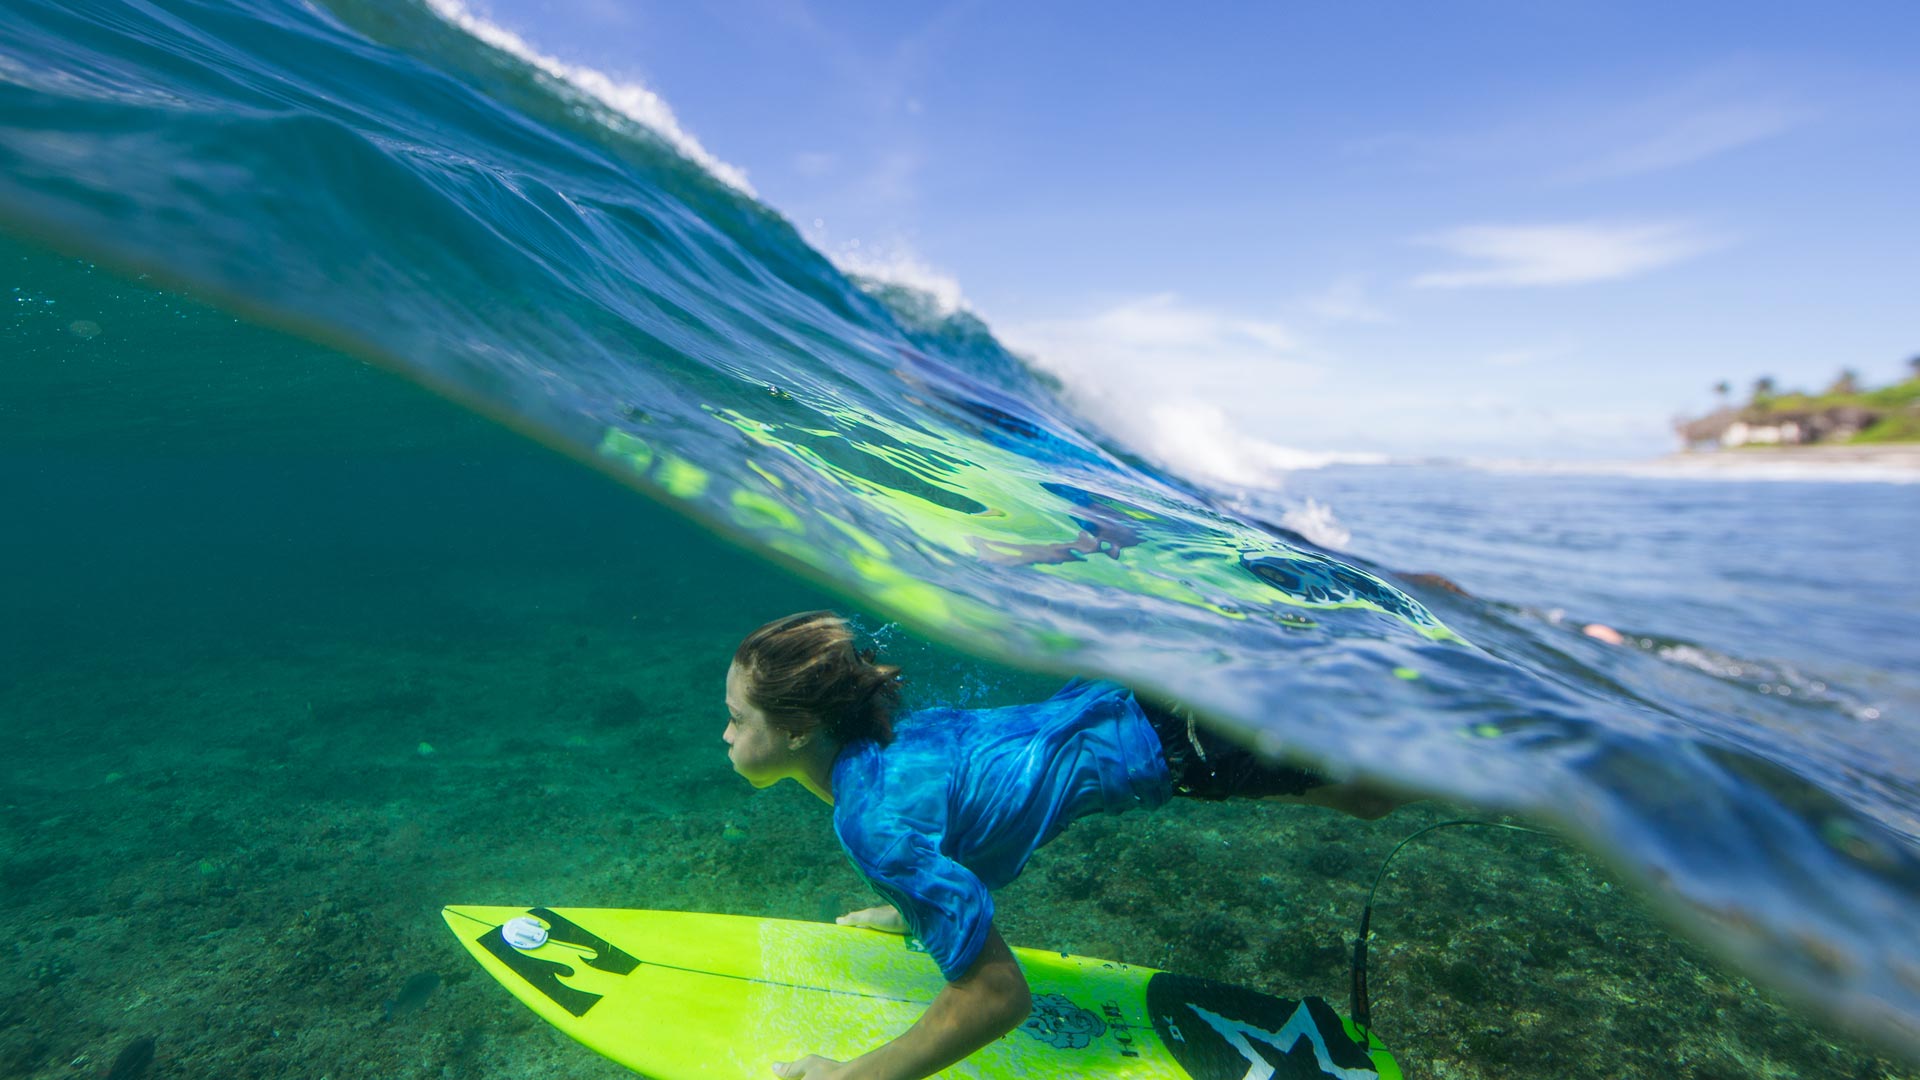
point(1363, 801)
point(1207, 766)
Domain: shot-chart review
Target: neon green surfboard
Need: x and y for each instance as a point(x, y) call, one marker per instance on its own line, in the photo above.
point(680, 995)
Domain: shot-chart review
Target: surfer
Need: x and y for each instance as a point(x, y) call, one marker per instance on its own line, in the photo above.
point(949, 804)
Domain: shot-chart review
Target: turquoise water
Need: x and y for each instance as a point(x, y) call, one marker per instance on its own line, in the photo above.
point(253, 555)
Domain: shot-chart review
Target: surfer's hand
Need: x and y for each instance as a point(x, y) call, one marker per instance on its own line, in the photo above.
point(811, 1067)
point(885, 917)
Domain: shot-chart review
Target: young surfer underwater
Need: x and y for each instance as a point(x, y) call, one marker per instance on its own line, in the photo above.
point(951, 803)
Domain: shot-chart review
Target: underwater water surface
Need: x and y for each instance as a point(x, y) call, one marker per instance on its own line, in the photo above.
point(295, 647)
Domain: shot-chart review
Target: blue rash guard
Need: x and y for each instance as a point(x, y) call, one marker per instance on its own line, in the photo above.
point(961, 799)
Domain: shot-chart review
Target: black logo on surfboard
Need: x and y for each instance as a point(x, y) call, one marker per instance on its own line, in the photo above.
point(544, 975)
point(1222, 1032)
point(1061, 1024)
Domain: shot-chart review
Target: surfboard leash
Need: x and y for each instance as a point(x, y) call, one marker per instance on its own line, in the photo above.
point(1362, 1012)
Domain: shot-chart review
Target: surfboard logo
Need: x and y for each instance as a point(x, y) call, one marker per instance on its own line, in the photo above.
point(1061, 1024)
point(1222, 1032)
point(544, 975)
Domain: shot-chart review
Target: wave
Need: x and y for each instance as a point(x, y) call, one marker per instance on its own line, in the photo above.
point(628, 99)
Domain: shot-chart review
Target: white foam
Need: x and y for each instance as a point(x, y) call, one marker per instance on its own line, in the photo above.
point(1199, 440)
point(1701, 660)
point(1316, 522)
point(899, 265)
point(631, 100)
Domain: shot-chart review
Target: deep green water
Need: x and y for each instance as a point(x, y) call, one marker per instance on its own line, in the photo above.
point(254, 575)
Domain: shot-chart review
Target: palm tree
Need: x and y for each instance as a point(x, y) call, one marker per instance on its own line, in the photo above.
point(1722, 388)
point(1762, 388)
point(1847, 383)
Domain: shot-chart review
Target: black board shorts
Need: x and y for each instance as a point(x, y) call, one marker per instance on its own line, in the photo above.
point(1211, 767)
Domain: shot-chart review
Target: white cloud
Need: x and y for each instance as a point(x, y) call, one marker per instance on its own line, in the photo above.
point(1492, 425)
point(1235, 400)
point(1695, 136)
point(814, 162)
point(609, 15)
point(1526, 356)
point(1610, 131)
point(1345, 301)
point(1164, 340)
point(1512, 358)
point(1568, 254)
point(891, 182)
point(1472, 416)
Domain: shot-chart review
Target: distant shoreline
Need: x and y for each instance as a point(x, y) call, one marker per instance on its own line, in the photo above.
point(1877, 455)
point(1895, 463)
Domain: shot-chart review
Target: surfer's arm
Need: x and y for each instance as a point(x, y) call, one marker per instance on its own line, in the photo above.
point(988, 1001)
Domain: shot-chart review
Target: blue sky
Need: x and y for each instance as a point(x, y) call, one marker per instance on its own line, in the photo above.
point(1488, 229)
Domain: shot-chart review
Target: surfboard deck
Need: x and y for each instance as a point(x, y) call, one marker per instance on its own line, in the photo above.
point(683, 995)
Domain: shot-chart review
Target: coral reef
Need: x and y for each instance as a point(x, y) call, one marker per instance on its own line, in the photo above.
point(218, 827)
point(261, 887)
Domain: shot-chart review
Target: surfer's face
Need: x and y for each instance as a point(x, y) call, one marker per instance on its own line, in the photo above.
point(759, 751)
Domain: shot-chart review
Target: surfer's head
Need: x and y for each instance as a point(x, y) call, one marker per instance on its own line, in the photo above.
point(799, 679)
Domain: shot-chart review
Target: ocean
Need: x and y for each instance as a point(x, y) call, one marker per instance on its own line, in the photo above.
point(397, 433)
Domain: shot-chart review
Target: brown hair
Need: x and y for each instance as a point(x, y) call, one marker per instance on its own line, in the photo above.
point(803, 672)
